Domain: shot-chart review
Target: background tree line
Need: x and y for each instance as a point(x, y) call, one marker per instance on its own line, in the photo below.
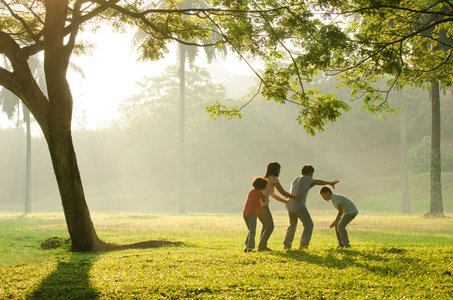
point(133, 164)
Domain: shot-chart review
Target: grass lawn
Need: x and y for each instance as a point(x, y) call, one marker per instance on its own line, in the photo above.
point(393, 257)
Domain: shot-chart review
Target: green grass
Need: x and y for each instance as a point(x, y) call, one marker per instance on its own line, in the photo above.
point(393, 257)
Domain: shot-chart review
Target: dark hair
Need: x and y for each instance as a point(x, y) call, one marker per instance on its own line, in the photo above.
point(259, 183)
point(324, 190)
point(307, 169)
point(272, 169)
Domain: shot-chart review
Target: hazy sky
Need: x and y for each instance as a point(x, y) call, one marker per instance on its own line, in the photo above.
point(112, 71)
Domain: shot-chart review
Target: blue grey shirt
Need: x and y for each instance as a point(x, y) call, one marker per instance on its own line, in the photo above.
point(299, 187)
point(348, 206)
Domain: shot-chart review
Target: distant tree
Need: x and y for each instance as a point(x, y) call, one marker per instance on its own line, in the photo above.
point(405, 203)
point(187, 53)
point(10, 105)
point(190, 53)
point(150, 114)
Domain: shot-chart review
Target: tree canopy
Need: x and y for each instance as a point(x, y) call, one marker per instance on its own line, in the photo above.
point(403, 42)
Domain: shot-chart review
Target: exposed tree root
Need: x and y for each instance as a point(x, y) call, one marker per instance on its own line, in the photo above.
point(434, 215)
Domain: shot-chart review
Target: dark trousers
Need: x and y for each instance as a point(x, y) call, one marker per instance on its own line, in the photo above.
point(250, 221)
point(340, 229)
point(265, 217)
point(304, 216)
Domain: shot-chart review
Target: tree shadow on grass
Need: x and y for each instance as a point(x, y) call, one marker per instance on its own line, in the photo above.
point(70, 280)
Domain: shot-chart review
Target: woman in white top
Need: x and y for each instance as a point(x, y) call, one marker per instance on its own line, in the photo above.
point(264, 215)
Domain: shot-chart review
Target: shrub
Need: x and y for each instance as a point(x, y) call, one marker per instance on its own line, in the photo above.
point(419, 156)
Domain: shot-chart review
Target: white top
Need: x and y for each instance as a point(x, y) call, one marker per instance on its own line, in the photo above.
point(269, 188)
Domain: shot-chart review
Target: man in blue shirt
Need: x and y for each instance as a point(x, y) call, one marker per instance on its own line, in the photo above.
point(298, 210)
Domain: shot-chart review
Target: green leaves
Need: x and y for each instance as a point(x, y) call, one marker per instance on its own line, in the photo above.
point(407, 40)
point(402, 41)
point(154, 49)
point(217, 110)
point(322, 108)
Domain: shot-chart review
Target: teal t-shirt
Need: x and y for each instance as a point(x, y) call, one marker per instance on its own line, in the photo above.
point(348, 206)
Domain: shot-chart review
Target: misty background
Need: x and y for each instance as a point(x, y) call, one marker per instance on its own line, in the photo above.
point(132, 163)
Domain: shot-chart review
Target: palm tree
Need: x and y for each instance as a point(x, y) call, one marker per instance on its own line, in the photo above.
point(189, 53)
point(405, 203)
point(11, 104)
point(442, 42)
point(185, 54)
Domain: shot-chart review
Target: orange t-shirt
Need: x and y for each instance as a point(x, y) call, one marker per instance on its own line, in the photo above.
point(252, 205)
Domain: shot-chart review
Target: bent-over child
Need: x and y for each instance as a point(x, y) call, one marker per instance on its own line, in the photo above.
point(252, 206)
point(347, 211)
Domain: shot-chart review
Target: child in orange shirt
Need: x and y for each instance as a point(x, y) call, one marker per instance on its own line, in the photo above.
point(251, 209)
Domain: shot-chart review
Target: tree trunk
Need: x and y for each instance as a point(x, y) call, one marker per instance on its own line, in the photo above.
point(28, 164)
point(182, 130)
point(78, 219)
point(58, 131)
point(405, 204)
point(436, 207)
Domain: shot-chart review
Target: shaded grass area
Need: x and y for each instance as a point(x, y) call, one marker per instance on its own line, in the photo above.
point(392, 257)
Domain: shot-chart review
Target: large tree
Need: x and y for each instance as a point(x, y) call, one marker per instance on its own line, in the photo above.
point(409, 43)
point(51, 27)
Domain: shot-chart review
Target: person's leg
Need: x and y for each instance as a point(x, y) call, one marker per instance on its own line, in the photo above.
point(342, 232)
point(252, 233)
point(250, 221)
point(246, 219)
point(291, 231)
point(337, 233)
point(306, 220)
point(265, 217)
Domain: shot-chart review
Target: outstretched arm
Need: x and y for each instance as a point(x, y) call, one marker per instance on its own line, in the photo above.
point(322, 182)
point(285, 193)
point(278, 198)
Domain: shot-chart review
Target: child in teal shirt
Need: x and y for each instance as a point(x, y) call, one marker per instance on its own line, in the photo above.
point(347, 211)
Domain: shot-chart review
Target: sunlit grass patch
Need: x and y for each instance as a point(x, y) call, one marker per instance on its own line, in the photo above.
point(392, 257)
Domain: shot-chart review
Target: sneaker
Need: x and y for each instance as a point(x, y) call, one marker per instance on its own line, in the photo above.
point(246, 250)
point(303, 247)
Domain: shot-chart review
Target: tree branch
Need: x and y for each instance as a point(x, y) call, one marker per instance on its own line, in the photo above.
point(21, 82)
point(21, 20)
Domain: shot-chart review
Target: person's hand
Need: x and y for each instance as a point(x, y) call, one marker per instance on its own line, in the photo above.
point(298, 198)
point(332, 225)
point(334, 182)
